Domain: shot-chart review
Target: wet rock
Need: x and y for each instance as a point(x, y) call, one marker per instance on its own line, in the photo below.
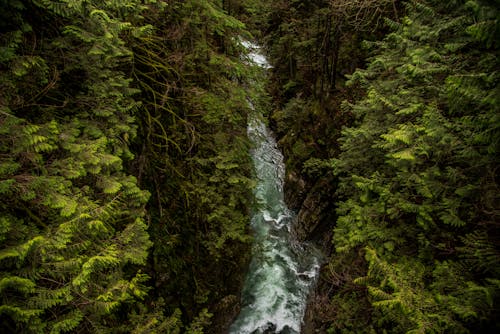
point(316, 215)
point(314, 203)
point(269, 329)
point(287, 330)
point(295, 189)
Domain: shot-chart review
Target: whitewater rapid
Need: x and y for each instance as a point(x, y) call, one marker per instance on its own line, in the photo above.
point(282, 270)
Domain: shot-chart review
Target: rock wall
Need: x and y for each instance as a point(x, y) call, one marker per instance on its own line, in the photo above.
point(314, 203)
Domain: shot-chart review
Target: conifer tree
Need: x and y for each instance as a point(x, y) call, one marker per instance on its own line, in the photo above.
point(94, 92)
point(193, 156)
point(72, 220)
point(418, 172)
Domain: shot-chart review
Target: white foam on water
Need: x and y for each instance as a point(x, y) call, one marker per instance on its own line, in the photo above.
point(254, 55)
point(282, 271)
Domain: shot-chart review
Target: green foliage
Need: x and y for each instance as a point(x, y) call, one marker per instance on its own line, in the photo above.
point(98, 101)
point(199, 323)
point(153, 321)
point(72, 220)
point(193, 154)
point(417, 171)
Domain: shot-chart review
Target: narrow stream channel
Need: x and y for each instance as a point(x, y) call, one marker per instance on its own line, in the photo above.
point(282, 270)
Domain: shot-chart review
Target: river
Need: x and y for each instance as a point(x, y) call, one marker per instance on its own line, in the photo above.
point(282, 271)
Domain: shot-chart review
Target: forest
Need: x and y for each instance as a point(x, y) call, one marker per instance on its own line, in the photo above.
point(126, 180)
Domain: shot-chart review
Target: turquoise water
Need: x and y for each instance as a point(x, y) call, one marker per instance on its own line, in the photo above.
point(282, 271)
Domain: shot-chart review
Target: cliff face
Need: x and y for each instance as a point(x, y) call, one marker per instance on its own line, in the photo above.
point(310, 187)
point(314, 203)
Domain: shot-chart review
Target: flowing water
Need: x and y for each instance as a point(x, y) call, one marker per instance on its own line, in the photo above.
point(282, 270)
